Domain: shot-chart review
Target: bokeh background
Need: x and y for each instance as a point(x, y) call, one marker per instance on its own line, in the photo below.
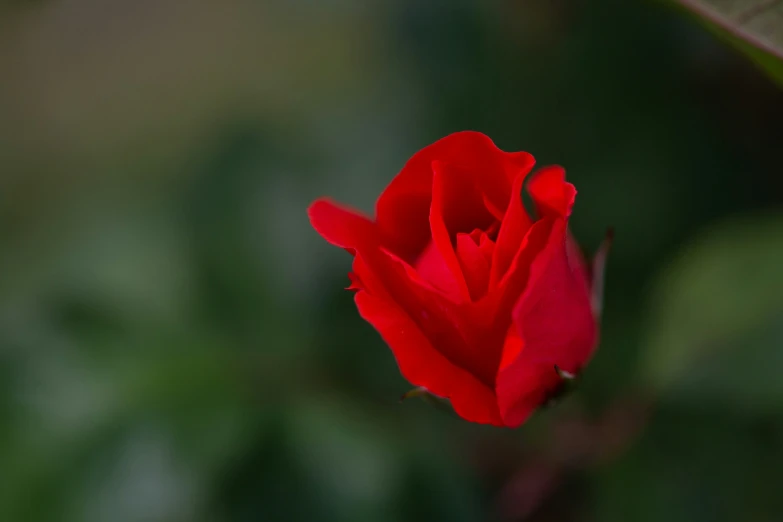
point(175, 341)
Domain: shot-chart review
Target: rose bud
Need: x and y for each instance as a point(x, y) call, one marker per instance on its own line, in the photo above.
point(480, 303)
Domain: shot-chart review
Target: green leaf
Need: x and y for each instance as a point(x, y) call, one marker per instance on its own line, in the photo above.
point(755, 27)
point(716, 326)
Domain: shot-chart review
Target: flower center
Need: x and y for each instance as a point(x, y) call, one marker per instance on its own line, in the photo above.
point(474, 253)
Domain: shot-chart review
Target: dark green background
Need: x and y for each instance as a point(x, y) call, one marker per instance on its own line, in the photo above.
point(175, 343)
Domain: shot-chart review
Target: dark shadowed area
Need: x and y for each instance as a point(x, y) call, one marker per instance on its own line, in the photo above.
point(175, 341)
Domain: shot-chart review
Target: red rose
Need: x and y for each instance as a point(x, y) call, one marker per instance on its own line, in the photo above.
point(480, 303)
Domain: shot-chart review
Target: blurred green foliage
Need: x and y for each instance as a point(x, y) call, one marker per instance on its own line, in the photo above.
point(717, 324)
point(175, 343)
point(754, 27)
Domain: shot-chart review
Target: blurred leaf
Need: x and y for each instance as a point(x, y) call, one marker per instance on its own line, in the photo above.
point(755, 27)
point(716, 326)
point(694, 465)
point(181, 394)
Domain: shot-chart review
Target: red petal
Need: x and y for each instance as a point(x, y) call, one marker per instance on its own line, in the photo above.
point(513, 228)
point(460, 203)
point(447, 187)
point(501, 299)
point(474, 265)
point(556, 324)
point(452, 328)
point(356, 282)
point(492, 314)
point(552, 194)
point(423, 365)
point(402, 210)
point(342, 226)
point(433, 269)
point(383, 275)
point(535, 382)
point(487, 247)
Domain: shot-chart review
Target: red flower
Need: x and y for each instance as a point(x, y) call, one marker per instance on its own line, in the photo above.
point(480, 303)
